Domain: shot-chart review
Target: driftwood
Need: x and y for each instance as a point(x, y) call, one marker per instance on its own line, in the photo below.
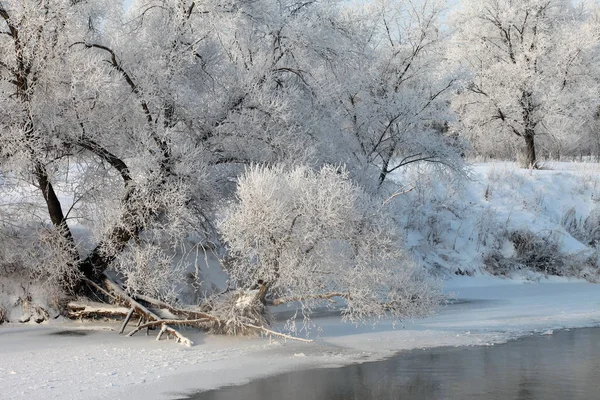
point(184, 313)
point(126, 320)
point(178, 336)
point(182, 322)
point(148, 310)
point(33, 311)
point(78, 310)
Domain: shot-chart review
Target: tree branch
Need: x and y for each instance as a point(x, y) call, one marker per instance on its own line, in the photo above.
point(278, 334)
point(323, 296)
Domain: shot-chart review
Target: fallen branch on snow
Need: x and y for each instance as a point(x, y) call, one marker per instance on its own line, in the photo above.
point(278, 334)
point(142, 310)
point(180, 338)
point(324, 296)
point(185, 313)
point(149, 314)
point(78, 310)
point(183, 322)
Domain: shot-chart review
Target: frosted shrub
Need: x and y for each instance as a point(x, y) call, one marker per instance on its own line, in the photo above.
point(489, 229)
point(541, 253)
point(51, 261)
point(39, 254)
point(310, 236)
point(36, 274)
point(506, 176)
point(586, 230)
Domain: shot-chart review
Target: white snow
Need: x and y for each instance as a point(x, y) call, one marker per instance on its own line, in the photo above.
point(35, 364)
point(456, 228)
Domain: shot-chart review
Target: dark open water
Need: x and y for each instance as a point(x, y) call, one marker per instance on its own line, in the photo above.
point(562, 366)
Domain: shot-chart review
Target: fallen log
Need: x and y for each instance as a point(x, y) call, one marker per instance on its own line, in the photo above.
point(150, 310)
point(78, 310)
point(185, 313)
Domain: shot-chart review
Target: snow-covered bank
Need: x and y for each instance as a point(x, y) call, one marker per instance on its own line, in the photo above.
point(38, 363)
point(507, 220)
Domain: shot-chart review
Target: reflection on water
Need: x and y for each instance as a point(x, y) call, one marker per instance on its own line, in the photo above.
point(562, 366)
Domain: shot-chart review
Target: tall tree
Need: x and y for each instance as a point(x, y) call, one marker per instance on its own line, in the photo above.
point(35, 85)
point(526, 68)
point(396, 105)
point(132, 129)
point(101, 145)
point(155, 114)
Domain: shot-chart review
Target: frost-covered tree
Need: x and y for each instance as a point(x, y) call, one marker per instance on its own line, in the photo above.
point(395, 106)
point(123, 132)
point(310, 236)
point(95, 139)
point(527, 69)
point(214, 67)
point(134, 124)
point(35, 39)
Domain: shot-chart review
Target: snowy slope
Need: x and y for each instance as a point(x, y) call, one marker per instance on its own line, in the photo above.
point(456, 227)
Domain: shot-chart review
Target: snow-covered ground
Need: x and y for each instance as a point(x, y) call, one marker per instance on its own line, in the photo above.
point(36, 362)
point(461, 226)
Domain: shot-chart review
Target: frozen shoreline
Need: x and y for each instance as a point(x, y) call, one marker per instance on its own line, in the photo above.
point(37, 363)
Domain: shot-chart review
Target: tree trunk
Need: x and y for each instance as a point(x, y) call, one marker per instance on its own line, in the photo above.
point(22, 74)
point(54, 207)
point(530, 123)
point(384, 168)
point(105, 252)
point(383, 173)
point(530, 158)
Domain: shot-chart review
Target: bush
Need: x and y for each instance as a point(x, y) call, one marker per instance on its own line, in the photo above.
point(310, 236)
point(538, 253)
point(586, 230)
point(541, 254)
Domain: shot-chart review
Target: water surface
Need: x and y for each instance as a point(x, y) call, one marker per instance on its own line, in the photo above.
point(565, 366)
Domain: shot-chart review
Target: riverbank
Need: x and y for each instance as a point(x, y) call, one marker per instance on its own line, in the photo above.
point(68, 360)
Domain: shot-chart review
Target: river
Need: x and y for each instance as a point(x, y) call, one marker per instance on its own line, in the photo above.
point(564, 365)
